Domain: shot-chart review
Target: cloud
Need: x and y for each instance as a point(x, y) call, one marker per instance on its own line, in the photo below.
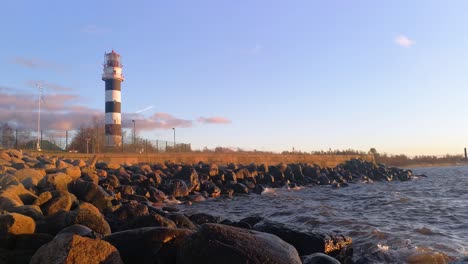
point(156, 121)
point(51, 86)
point(144, 109)
point(35, 63)
point(403, 41)
point(94, 30)
point(214, 120)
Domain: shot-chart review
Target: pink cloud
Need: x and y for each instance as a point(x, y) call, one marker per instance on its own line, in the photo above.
point(156, 121)
point(214, 120)
point(34, 63)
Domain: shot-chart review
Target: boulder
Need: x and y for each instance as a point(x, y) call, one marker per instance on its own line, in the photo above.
point(151, 220)
point(189, 175)
point(70, 248)
point(88, 218)
point(319, 258)
point(13, 223)
point(307, 242)
point(19, 249)
point(149, 244)
point(216, 243)
point(181, 221)
point(63, 202)
point(30, 177)
point(43, 198)
point(32, 211)
point(15, 195)
point(202, 218)
point(80, 230)
point(7, 179)
point(57, 181)
point(74, 172)
point(91, 193)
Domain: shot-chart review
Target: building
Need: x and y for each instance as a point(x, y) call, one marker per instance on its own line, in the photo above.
point(113, 77)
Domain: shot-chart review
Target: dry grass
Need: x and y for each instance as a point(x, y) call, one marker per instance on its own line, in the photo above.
point(219, 158)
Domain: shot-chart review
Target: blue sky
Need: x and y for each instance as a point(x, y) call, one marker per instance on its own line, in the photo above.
point(266, 75)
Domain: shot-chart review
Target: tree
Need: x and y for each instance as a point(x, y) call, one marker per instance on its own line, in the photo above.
point(7, 137)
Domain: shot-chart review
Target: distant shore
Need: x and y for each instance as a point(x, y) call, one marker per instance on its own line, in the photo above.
point(428, 165)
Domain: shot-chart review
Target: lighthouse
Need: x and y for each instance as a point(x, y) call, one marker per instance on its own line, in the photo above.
point(113, 77)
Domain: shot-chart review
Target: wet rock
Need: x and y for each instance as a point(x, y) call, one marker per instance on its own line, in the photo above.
point(196, 198)
point(240, 188)
point(307, 242)
point(13, 223)
point(202, 218)
point(151, 220)
point(189, 175)
point(319, 258)
point(149, 244)
point(176, 188)
point(70, 248)
point(216, 243)
point(181, 221)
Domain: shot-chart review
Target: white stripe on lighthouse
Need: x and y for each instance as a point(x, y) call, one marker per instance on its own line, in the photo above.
point(113, 118)
point(112, 95)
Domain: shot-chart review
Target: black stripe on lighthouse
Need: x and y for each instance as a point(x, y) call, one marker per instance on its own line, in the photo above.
point(113, 84)
point(113, 107)
point(113, 129)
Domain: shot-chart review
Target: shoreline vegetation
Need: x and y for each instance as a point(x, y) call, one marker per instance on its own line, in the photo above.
point(62, 210)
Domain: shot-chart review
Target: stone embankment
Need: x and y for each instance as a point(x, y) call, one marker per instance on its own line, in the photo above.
point(61, 210)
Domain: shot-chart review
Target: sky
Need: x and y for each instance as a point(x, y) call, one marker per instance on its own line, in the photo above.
point(260, 74)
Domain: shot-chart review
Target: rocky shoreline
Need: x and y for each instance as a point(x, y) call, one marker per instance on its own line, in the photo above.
point(58, 210)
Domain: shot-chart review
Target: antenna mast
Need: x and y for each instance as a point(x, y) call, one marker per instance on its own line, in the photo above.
point(38, 143)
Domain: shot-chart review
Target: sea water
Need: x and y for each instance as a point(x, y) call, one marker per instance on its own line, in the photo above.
point(389, 222)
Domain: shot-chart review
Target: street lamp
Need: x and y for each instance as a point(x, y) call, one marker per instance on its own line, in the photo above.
point(87, 145)
point(174, 137)
point(133, 131)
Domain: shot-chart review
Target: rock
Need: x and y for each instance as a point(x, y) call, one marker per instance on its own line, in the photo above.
point(64, 202)
point(149, 244)
point(7, 179)
point(13, 223)
point(57, 181)
point(151, 220)
point(177, 188)
point(319, 258)
point(20, 248)
point(70, 248)
point(32, 211)
point(88, 218)
point(306, 242)
point(240, 188)
point(196, 198)
point(60, 164)
point(43, 198)
point(79, 163)
point(30, 177)
point(189, 175)
point(80, 230)
point(74, 172)
point(113, 166)
point(216, 243)
point(15, 195)
point(15, 153)
point(202, 218)
point(91, 193)
point(181, 221)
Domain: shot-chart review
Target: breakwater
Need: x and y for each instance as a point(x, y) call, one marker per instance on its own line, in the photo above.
point(212, 157)
point(123, 211)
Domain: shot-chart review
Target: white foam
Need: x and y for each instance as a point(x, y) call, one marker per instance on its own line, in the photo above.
point(270, 191)
point(383, 247)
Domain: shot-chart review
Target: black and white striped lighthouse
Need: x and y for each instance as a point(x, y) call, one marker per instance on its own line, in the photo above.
point(113, 77)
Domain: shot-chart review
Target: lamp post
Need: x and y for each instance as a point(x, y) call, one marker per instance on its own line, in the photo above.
point(87, 144)
point(174, 137)
point(133, 131)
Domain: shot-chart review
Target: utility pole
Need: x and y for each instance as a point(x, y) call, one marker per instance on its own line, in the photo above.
point(174, 138)
point(38, 145)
